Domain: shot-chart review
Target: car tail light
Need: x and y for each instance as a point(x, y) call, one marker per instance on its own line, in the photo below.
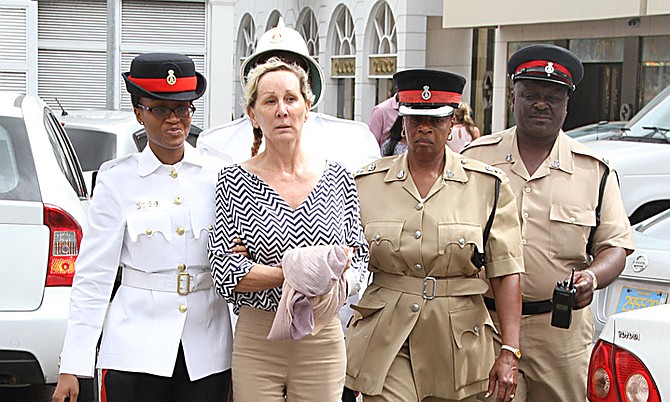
point(64, 241)
point(601, 379)
point(615, 375)
point(633, 378)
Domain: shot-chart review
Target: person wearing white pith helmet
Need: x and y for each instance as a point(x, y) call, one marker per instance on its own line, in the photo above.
point(347, 142)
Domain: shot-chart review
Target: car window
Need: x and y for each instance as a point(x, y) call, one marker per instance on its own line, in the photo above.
point(93, 147)
point(65, 155)
point(653, 121)
point(658, 226)
point(18, 178)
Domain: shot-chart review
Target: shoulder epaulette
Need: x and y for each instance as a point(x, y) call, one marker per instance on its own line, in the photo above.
point(380, 165)
point(110, 164)
point(479, 166)
point(581, 149)
point(492, 139)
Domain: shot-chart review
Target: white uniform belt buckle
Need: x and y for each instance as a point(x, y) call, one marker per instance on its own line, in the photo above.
point(183, 284)
point(429, 286)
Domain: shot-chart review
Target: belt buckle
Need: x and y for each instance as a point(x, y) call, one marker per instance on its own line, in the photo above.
point(180, 281)
point(433, 281)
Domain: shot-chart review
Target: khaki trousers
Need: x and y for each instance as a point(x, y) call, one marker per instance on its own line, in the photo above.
point(311, 369)
point(399, 383)
point(555, 361)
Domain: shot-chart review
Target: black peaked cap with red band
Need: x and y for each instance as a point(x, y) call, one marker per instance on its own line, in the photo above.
point(428, 92)
point(546, 63)
point(165, 76)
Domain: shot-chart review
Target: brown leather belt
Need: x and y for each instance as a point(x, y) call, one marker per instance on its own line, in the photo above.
point(430, 287)
point(527, 308)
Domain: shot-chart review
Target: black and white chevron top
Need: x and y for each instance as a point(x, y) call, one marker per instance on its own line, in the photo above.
point(249, 208)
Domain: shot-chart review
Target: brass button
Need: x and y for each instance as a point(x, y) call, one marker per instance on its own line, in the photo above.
point(414, 307)
point(138, 205)
point(378, 237)
point(173, 173)
point(527, 189)
point(148, 231)
point(419, 206)
point(418, 267)
point(417, 234)
point(181, 267)
point(182, 308)
point(210, 227)
point(180, 230)
point(525, 214)
point(523, 241)
point(178, 201)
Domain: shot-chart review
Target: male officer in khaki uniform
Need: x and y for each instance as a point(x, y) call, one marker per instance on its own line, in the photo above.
point(421, 331)
point(556, 181)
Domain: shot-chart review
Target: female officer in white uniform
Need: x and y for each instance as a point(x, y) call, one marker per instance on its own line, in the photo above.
point(166, 335)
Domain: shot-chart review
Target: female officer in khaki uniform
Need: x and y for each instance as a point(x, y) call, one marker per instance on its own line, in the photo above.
point(421, 332)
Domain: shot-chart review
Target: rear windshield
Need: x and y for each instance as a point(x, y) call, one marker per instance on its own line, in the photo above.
point(18, 178)
point(93, 148)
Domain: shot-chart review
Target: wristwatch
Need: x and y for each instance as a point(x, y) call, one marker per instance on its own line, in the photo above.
point(516, 352)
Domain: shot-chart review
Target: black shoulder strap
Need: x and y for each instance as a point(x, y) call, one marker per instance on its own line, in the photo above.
point(601, 192)
point(478, 257)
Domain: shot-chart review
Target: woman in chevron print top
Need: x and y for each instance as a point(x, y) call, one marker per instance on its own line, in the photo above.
point(279, 200)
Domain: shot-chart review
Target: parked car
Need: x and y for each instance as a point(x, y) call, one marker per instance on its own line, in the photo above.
point(640, 154)
point(43, 202)
point(645, 281)
point(102, 135)
point(629, 363)
point(597, 131)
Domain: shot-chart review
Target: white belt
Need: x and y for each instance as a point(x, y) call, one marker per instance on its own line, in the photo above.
point(183, 283)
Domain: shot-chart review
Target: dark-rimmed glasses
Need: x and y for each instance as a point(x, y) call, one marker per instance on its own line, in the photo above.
point(163, 112)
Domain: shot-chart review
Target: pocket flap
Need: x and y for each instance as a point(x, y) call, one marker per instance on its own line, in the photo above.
point(460, 235)
point(149, 224)
point(471, 320)
point(379, 231)
point(572, 214)
point(202, 219)
point(367, 307)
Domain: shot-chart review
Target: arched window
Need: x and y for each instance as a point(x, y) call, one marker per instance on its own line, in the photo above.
point(343, 61)
point(385, 38)
point(273, 20)
point(309, 29)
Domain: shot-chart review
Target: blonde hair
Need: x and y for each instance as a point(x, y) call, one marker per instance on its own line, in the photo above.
point(462, 116)
point(251, 89)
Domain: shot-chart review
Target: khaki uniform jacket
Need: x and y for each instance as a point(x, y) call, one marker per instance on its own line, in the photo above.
point(557, 208)
point(450, 336)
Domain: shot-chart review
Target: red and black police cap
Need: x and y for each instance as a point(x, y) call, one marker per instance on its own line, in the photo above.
point(546, 63)
point(424, 92)
point(165, 76)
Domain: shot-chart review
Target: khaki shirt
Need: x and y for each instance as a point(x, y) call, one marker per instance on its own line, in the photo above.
point(450, 336)
point(556, 208)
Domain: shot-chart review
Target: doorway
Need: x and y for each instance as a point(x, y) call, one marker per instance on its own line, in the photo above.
point(597, 97)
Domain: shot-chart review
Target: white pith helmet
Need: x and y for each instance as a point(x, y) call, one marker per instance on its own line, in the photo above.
point(284, 39)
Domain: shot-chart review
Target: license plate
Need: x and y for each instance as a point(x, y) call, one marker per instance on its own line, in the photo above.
point(633, 299)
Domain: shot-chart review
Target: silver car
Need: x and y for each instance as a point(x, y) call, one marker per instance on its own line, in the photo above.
point(43, 202)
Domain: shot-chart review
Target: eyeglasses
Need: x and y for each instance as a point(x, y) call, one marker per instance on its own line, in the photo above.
point(163, 112)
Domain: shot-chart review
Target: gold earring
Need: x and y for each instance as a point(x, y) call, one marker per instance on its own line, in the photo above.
point(402, 133)
point(450, 137)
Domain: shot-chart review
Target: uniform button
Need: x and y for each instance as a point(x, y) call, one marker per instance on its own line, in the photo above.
point(525, 214)
point(476, 329)
point(414, 307)
point(178, 201)
point(138, 205)
point(419, 206)
point(417, 234)
point(180, 230)
point(210, 227)
point(527, 189)
point(418, 267)
point(378, 237)
point(461, 242)
point(572, 219)
point(181, 267)
point(523, 241)
point(173, 173)
point(148, 231)
point(400, 174)
point(182, 308)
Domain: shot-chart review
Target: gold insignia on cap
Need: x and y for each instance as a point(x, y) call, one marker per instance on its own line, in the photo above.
point(171, 79)
point(425, 95)
point(549, 69)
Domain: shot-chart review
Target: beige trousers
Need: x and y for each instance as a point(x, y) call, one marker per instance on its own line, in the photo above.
point(311, 369)
point(399, 383)
point(555, 361)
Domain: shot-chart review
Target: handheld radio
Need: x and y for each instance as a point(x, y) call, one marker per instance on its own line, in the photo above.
point(563, 302)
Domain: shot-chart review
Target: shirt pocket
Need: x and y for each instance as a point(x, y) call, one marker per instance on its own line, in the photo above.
point(384, 240)
point(359, 333)
point(456, 243)
point(150, 234)
point(570, 228)
point(472, 341)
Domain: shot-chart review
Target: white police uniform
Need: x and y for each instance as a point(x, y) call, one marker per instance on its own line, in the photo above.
point(153, 220)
